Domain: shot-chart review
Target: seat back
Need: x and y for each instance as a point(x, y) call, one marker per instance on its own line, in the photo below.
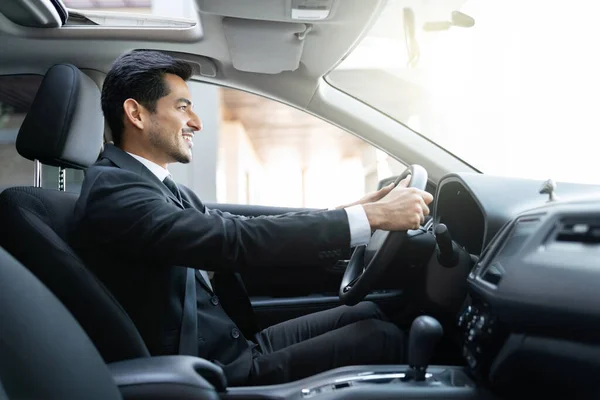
point(35, 227)
point(64, 127)
point(44, 353)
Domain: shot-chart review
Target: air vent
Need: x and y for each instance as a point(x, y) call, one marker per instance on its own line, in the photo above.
point(505, 245)
point(493, 274)
point(579, 232)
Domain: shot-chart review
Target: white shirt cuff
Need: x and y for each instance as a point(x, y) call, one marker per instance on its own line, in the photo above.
point(360, 229)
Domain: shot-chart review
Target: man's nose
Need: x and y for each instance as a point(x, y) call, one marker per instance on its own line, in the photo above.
point(195, 123)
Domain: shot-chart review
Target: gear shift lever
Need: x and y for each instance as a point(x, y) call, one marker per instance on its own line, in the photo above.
point(425, 333)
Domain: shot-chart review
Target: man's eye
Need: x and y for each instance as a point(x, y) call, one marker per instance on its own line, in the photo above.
point(182, 108)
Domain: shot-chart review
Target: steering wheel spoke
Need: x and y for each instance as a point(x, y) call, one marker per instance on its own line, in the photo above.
point(369, 262)
point(349, 286)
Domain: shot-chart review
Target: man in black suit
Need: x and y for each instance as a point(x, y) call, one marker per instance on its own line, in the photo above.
point(152, 241)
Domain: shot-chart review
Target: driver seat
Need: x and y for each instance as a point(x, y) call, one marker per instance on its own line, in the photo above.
point(64, 127)
point(44, 353)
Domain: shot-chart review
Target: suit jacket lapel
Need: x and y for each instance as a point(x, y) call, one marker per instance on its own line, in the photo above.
point(123, 160)
point(203, 282)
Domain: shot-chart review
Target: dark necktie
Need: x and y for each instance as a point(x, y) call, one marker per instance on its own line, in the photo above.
point(172, 187)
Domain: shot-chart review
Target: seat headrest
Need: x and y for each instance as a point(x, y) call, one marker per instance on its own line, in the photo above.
point(64, 126)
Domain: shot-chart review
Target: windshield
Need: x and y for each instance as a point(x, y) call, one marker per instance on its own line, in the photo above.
point(511, 87)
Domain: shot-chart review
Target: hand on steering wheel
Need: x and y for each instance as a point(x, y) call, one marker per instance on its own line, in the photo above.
point(370, 261)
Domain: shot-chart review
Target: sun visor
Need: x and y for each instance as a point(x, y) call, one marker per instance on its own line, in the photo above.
point(264, 46)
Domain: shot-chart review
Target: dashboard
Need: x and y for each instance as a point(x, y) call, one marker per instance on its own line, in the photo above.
point(475, 207)
point(534, 292)
point(461, 213)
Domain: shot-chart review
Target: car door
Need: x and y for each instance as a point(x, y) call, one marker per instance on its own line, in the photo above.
point(281, 293)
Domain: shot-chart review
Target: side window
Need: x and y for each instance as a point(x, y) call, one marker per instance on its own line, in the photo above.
point(16, 95)
point(273, 154)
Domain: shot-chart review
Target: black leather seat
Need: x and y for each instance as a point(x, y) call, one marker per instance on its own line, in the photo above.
point(64, 127)
point(44, 353)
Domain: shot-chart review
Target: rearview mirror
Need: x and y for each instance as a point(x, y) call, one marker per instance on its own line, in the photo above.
point(462, 20)
point(457, 18)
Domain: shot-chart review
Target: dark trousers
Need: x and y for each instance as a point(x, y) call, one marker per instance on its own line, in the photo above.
point(314, 343)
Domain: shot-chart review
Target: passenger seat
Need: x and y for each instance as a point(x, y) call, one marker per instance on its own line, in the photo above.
point(44, 354)
point(64, 128)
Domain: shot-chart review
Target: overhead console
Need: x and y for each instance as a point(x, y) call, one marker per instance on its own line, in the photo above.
point(272, 10)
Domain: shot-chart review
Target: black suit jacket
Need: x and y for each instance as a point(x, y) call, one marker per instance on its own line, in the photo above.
point(140, 239)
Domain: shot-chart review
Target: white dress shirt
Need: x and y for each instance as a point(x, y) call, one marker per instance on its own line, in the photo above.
point(360, 229)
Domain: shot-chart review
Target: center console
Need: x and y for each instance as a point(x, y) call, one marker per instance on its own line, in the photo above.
point(368, 382)
point(184, 377)
point(168, 377)
point(417, 380)
point(483, 337)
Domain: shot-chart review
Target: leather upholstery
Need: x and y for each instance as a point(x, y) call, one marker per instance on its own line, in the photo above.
point(44, 353)
point(64, 126)
point(38, 220)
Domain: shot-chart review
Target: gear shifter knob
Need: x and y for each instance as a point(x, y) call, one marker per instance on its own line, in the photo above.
point(425, 333)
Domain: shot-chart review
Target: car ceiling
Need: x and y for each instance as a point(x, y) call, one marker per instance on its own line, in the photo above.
point(217, 42)
point(206, 46)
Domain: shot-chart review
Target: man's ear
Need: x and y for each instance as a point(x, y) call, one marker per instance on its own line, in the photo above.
point(133, 113)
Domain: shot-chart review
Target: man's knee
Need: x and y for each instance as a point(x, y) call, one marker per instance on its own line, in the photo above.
point(387, 330)
point(369, 310)
point(387, 337)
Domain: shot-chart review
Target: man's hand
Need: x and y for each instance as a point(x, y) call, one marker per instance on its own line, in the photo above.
point(402, 209)
point(373, 196)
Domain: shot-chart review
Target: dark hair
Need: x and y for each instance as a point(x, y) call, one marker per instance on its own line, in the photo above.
point(137, 75)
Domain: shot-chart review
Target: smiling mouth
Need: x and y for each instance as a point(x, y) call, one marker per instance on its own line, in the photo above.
point(189, 138)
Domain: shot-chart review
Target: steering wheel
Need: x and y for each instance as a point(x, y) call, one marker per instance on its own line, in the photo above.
point(369, 262)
